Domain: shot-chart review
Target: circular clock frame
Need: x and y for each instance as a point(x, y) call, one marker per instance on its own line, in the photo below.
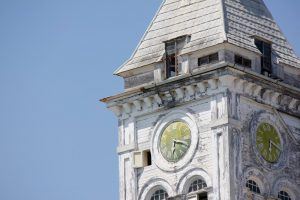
point(162, 124)
point(268, 118)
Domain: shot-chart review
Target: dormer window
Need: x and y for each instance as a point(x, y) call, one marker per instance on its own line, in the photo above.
point(266, 59)
point(171, 59)
point(172, 50)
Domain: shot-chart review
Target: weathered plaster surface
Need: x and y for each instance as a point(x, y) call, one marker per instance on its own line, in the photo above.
point(224, 106)
point(222, 102)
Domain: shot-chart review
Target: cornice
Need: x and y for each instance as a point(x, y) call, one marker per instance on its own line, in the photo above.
point(205, 84)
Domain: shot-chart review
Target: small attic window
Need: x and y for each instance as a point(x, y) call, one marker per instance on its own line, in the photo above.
point(266, 59)
point(212, 58)
point(240, 60)
point(172, 47)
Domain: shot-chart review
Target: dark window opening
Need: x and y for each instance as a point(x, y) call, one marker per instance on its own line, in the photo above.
point(247, 63)
point(208, 59)
point(172, 48)
point(171, 59)
point(253, 187)
point(203, 61)
point(266, 58)
point(242, 61)
point(202, 196)
point(171, 63)
point(148, 158)
point(197, 185)
point(282, 195)
point(160, 195)
point(213, 57)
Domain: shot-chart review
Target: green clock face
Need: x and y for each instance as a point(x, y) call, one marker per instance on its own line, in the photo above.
point(268, 142)
point(175, 141)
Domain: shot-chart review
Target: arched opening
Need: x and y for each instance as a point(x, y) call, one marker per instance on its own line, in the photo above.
point(197, 187)
point(159, 195)
point(283, 195)
point(253, 186)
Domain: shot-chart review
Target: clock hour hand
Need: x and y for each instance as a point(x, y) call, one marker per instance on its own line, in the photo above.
point(270, 146)
point(173, 147)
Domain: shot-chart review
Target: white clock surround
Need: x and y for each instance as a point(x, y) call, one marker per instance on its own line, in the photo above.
point(177, 115)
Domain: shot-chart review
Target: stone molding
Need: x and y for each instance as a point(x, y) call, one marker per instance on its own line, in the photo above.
point(146, 103)
point(256, 175)
point(285, 184)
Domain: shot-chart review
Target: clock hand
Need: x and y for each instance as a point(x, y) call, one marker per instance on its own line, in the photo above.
point(275, 145)
point(270, 146)
point(173, 147)
point(181, 142)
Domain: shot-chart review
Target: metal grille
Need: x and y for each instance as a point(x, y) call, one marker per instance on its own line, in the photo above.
point(282, 195)
point(197, 185)
point(159, 195)
point(252, 185)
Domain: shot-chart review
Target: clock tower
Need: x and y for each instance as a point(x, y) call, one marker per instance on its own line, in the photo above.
point(211, 107)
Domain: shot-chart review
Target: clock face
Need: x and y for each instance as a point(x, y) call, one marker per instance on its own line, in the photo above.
point(268, 142)
point(175, 141)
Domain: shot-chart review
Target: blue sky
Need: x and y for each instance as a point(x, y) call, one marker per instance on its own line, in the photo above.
point(57, 142)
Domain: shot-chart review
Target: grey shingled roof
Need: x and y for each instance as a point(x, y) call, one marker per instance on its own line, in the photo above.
point(246, 18)
point(209, 22)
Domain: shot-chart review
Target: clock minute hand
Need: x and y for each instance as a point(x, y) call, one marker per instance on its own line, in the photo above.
point(181, 142)
point(275, 145)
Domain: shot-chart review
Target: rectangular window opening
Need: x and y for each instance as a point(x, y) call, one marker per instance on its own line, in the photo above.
point(172, 48)
point(171, 62)
point(240, 60)
point(171, 59)
point(212, 58)
point(266, 59)
point(203, 61)
point(148, 158)
point(247, 63)
point(202, 196)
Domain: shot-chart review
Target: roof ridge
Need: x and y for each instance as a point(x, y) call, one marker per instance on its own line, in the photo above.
point(224, 19)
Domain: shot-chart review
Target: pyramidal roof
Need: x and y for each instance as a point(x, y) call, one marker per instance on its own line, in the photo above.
point(210, 22)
